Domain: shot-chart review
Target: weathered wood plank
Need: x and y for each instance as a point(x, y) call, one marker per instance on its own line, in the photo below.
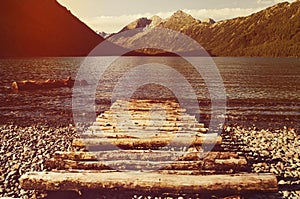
point(236, 164)
point(138, 122)
point(148, 143)
point(171, 172)
point(139, 134)
point(148, 127)
point(98, 130)
point(144, 155)
point(139, 108)
point(135, 115)
point(145, 181)
point(145, 105)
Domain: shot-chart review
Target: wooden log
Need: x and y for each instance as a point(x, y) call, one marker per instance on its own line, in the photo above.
point(136, 116)
point(46, 84)
point(138, 130)
point(146, 116)
point(145, 155)
point(171, 112)
point(149, 143)
point(235, 164)
point(147, 125)
point(194, 172)
point(141, 134)
point(171, 172)
point(102, 128)
point(145, 103)
point(146, 181)
point(196, 125)
point(137, 123)
point(139, 108)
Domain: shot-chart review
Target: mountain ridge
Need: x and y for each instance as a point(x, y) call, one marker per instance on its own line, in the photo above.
point(272, 32)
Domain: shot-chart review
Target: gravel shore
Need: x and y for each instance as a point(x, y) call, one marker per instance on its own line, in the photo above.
point(269, 151)
point(25, 149)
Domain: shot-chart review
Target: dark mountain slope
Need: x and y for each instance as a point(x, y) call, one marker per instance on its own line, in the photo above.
point(42, 28)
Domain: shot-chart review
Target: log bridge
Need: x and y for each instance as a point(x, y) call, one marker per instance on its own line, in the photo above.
point(149, 147)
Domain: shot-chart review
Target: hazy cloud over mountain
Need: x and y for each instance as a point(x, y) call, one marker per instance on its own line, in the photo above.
point(267, 2)
point(115, 23)
point(111, 16)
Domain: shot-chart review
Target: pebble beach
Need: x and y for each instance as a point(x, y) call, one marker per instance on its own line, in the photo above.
point(25, 149)
point(269, 151)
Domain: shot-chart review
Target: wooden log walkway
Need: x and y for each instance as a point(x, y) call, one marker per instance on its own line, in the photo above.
point(148, 146)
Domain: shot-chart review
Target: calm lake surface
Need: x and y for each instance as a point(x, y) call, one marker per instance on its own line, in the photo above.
point(260, 91)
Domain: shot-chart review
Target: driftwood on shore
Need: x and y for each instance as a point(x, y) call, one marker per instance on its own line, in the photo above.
point(146, 181)
point(47, 84)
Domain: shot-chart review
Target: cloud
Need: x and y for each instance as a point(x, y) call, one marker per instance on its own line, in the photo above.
point(271, 2)
point(112, 24)
point(264, 2)
point(220, 14)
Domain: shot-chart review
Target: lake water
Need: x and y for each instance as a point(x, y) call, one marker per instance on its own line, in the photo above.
point(260, 91)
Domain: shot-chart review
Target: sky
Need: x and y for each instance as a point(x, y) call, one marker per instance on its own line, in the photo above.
point(111, 16)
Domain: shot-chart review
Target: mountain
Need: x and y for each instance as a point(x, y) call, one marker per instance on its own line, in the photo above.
point(179, 21)
point(155, 20)
point(104, 34)
point(148, 34)
point(42, 28)
point(272, 32)
point(139, 23)
point(45, 28)
point(143, 23)
point(209, 21)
